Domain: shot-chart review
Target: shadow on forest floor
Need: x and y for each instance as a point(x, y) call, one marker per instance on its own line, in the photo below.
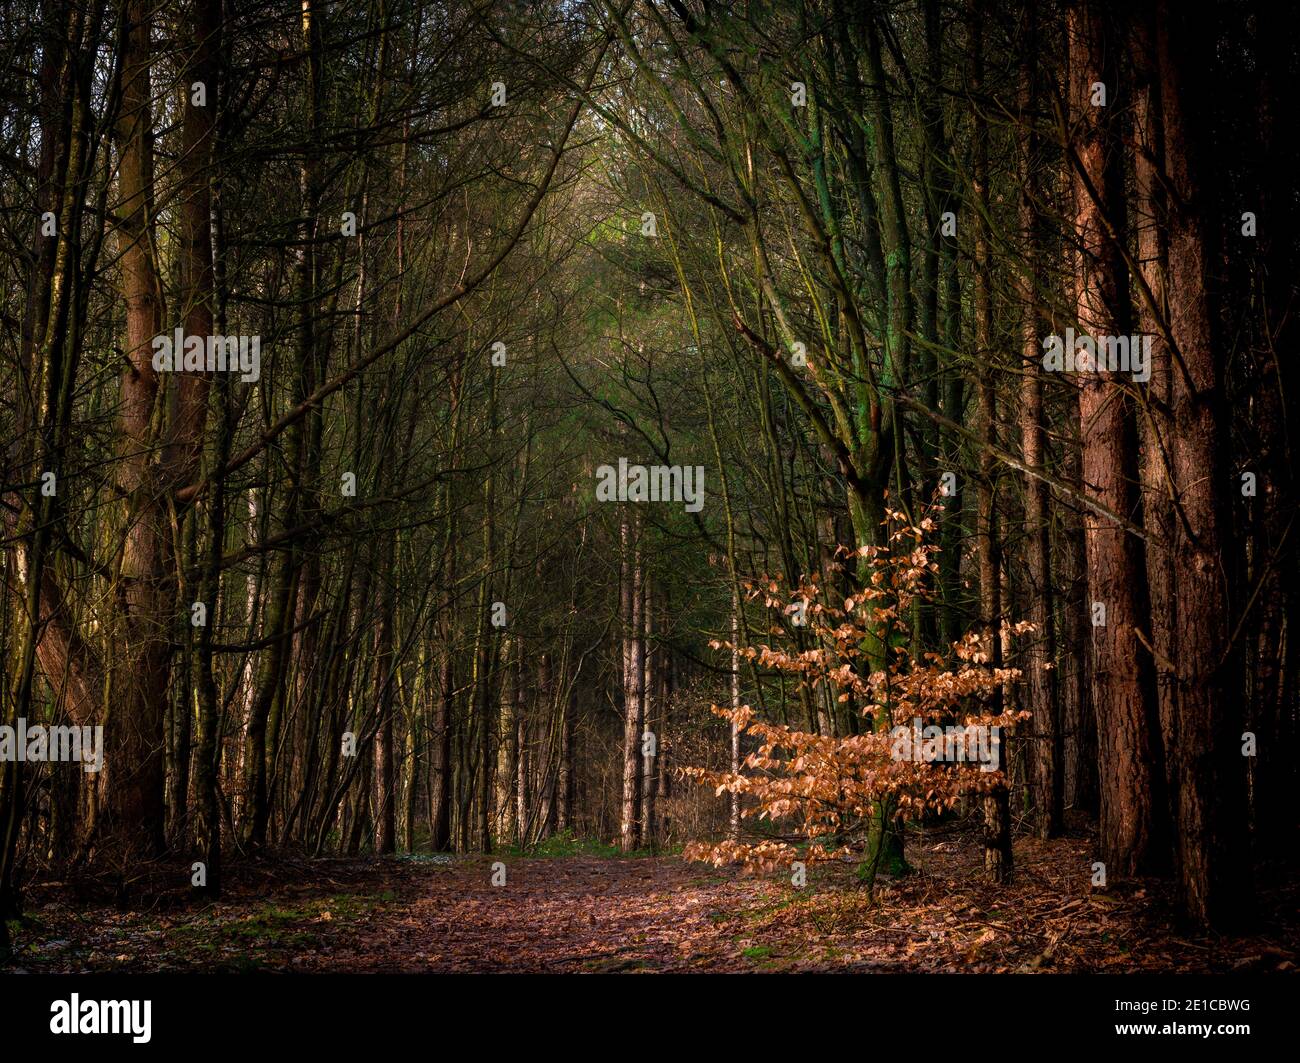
point(588, 911)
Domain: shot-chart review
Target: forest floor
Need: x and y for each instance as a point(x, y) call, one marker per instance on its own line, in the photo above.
point(587, 911)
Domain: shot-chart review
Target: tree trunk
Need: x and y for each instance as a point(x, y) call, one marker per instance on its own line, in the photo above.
point(507, 819)
point(633, 686)
point(1129, 749)
point(1047, 755)
point(997, 821)
point(1212, 857)
point(650, 709)
point(133, 780)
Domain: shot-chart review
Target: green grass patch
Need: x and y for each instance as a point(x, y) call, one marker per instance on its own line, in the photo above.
point(566, 844)
point(273, 925)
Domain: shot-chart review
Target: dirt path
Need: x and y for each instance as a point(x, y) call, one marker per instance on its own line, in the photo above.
point(572, 914)
point(584, 913)
point(578, 913)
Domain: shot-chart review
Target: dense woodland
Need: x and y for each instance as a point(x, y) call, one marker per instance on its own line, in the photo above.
point(372, 594)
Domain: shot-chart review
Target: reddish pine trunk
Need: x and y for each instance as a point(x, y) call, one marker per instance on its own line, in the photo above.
point(133, 775)
point(1128, 748)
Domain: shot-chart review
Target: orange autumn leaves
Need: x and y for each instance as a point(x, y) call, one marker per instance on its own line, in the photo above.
point(822, 789)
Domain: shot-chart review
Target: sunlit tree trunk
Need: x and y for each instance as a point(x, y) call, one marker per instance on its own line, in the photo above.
point(1128, 739)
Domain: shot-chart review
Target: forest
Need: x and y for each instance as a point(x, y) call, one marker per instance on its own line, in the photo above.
point(649, 485)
